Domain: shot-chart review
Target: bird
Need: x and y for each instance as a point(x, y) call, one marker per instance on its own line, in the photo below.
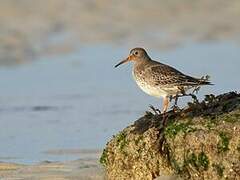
point(158, 79)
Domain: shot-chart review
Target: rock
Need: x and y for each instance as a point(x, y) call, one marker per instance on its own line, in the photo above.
point(201, 141)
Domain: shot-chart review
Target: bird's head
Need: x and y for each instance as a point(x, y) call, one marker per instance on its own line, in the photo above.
point(136, 54)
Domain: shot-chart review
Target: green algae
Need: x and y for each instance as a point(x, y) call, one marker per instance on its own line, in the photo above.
point(223, 143)
point(176, 127)
point(121, 140)
point(203, 161)
point(200, 162)
point(219, 168)
point(231, 118)
point(192, 160)
point(175, 165)
point(103, 158)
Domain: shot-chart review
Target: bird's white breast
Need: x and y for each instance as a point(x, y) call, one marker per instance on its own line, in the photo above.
point(155, 91)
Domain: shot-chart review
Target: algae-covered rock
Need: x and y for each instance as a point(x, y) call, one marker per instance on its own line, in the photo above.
point(201, 141)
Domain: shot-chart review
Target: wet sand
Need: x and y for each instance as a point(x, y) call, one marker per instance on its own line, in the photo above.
point(72, 170)
point(85, 169)
point(50, 170)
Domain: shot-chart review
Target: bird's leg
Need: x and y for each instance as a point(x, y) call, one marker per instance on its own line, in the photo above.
point(165, 104)
point(165, 107)
point(175, 98)
point(175, 106)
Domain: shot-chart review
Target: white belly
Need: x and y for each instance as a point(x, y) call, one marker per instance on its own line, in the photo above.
point(152, 91)
point(156, 91)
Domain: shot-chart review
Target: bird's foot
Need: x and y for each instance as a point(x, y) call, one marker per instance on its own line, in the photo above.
point(155, 110)
point(175, 108)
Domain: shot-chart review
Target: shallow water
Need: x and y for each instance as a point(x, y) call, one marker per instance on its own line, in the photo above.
point(78, 100)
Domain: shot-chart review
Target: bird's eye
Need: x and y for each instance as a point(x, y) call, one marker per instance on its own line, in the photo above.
point(136, 53)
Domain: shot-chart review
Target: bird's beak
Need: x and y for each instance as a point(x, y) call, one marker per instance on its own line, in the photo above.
point(129, 58)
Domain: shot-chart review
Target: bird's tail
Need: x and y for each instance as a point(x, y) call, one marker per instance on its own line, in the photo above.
point(205, 83)
point(205, 80)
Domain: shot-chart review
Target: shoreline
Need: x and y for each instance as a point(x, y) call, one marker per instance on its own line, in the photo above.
point(87, 166)
point(76, 169)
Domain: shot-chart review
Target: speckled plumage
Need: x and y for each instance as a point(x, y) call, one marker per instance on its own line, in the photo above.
point(157, 79)
point(162, 77)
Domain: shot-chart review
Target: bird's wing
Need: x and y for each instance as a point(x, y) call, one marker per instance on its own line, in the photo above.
point(164, 75)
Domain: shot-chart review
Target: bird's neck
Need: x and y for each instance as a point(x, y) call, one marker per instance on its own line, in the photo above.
point(141, 63)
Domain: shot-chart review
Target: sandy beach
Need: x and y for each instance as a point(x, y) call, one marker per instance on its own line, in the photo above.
point(82, 169)
point(85, 170)
point(72, 170)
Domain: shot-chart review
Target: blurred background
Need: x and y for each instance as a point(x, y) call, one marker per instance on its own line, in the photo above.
point(59, 91)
